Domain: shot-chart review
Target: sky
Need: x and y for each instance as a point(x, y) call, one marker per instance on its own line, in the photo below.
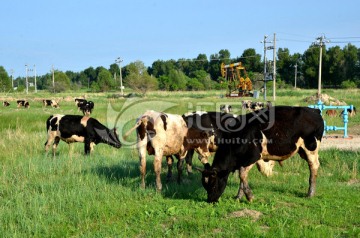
point(78, 34)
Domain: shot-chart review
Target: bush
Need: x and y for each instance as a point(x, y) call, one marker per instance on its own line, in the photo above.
point(348, 84)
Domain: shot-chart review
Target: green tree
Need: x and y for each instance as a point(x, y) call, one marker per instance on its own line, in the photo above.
point(160, 67)
point(90, 74)
point(139, 79)
point(333, 72)
point(105, 80)
point(351, 62)
point(311, 66)
point(5, 80)
point(62, 82)
point(178, 80)
point(251, 60)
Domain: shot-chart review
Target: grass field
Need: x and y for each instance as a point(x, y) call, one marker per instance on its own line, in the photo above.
point(73, 195)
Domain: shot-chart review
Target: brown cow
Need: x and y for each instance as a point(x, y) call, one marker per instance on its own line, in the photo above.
point(331, 113)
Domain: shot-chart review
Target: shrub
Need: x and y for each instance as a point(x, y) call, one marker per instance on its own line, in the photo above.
point(348, 84)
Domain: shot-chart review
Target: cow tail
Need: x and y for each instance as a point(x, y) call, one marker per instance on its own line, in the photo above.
point(138, 123)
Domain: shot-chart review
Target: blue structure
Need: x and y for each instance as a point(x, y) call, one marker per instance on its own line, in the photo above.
point(320, 105)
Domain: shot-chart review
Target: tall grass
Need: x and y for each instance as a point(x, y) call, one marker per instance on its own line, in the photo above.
point(73, 195)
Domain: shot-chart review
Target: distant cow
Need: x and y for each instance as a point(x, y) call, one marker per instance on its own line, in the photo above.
point(331, 113)
point(87, 107)
point(159, 134)
point(23, 103)
point(6, 103)
point(76, 128)
point(52, 103)
point(204, 131)
point(79, 102)
point(225, 108)
point(351, 113)
point(253, 106)
point(276, 133)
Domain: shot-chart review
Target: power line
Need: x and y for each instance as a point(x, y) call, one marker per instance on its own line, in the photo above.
point(336, 42)
point(346, 37)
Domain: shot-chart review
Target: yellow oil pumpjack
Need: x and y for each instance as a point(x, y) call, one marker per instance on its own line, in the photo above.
point(238, 86)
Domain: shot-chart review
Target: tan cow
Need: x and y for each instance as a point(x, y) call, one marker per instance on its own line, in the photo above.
point(159, 134)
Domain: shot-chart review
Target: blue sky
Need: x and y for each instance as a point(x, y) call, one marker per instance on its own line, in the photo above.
point(76, 34)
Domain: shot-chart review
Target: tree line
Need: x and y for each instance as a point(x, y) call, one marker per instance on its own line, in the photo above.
point(340, 69)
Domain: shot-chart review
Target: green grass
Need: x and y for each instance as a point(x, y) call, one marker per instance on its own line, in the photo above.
point(72, 195)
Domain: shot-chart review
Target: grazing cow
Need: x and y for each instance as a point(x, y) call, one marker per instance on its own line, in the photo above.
point(204, 131)
point(22, 103)
point(351, 113)
point(225, 108)
point(87, 107)
point(253, 106)
point(76, 128)
point(52, 103)
point(160, 134)
point(79, 102)
point(276, 133)
point(6, 103)
point(331, 113)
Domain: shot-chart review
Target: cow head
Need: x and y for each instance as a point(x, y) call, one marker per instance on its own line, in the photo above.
point(109, 137)
point(114, 138)
point(214, 182)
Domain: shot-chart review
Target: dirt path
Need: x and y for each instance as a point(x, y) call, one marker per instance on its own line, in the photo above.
point(337, 141)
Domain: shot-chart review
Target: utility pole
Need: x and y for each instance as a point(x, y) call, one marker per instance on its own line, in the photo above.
point(265, 66)
point(26, 79)
point(12, 78)
point(53, 77)
point(274, 68)
point(35, 79)
point(295, 73)
point(265, 72)
point(119, 60)
point(320, 42)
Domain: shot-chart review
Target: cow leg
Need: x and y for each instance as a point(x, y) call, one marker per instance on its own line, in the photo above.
point(142, 160)
point(312, 158)
point(169, 161)
point(244, 185)
point(87, 146)
point(180, 164)
point(55, 144)
point(51, 137)
point(157, 168)
point(188, 160)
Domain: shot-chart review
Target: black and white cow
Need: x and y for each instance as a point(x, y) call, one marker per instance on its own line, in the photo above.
point(87, 107)
point(76, 128)
point(226, 108)
point(274, 133)
point(204, 131)
point(6, 103)
point(79, 102)
point(50, 103)
point(351, 112)
point(23, 103)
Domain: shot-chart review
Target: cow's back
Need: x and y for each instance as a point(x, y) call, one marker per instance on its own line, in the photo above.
point(166, 132)
point(288, 125)
point(71, 125)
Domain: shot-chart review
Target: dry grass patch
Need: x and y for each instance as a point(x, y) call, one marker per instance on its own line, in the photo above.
point(253, 214)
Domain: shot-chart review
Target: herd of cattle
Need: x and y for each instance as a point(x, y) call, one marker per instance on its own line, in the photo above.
point(265, 135)
point(260, 137)
point(82, 104)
